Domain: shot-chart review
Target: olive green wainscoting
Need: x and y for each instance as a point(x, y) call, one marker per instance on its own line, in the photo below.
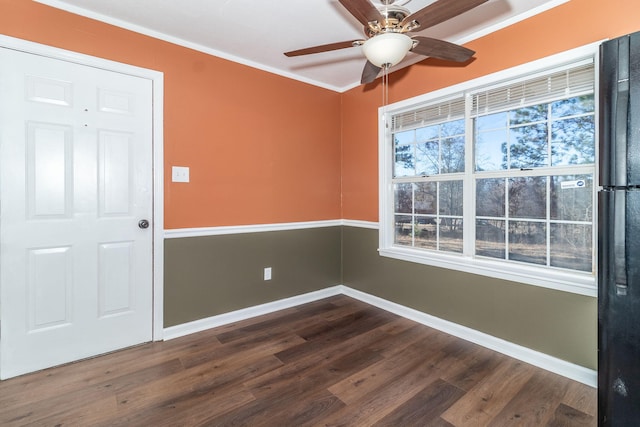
point(560, 324)
point(212, 275)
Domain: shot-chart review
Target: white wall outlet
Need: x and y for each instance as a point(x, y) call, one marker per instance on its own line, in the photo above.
point(179, 174)
point(267, 273)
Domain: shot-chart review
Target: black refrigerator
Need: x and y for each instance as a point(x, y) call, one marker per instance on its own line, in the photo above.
point(619, 234)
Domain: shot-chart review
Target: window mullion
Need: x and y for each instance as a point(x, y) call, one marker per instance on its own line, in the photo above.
point(413, 214)
point(548, 187)
point(507, 219)
point(468, 185)
point(548, 220)
point(438, 217)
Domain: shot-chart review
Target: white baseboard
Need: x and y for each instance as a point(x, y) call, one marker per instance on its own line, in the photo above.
point(533, 357)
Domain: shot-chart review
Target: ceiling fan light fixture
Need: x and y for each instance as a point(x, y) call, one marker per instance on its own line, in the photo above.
point(387, 49)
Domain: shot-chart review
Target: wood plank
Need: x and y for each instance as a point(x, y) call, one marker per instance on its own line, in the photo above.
point(221, 374)
point(582, 398)
point(491, 395)
point(568, 416)
point(324, 335)
point(280, 397)
point(425, 407)
point(473, 366)
point(535, 404)
point(88, 406)
point(289, 320)
point(269, 342)
point(193, 408)
point(303, 376)
point(379, 402)
point(378, 375)
point(318, 406)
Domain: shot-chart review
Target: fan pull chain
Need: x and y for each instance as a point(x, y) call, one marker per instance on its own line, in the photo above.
point(385, 85)
point(385, 95)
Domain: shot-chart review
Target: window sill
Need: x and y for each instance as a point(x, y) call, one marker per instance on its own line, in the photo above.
point(577, 283)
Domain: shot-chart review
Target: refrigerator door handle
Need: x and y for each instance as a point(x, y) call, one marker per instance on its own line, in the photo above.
point(621, 129)
point(620, 243)
point(621, 116)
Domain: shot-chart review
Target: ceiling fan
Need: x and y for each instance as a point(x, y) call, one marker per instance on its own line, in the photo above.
point(385, 28)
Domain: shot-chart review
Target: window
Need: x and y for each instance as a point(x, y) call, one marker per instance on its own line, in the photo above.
point(497, 176)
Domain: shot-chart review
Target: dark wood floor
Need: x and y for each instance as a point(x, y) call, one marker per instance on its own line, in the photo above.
point(334, 362)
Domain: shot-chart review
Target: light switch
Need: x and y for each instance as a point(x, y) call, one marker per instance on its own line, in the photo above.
point(180, 174)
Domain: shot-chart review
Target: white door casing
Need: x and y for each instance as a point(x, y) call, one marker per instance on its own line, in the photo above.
point(76, 157)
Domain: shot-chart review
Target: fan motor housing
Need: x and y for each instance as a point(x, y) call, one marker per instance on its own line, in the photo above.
point(393, 16)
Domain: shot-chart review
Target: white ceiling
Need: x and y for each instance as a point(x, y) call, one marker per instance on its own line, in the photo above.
point(257, 32)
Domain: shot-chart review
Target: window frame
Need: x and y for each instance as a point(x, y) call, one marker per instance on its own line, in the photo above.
point(582, 283)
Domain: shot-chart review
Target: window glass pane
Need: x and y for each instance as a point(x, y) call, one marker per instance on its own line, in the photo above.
point(404, 230)
point(573, 141)
point(528, 197)
point(427, 133)
point(451, 234)
point(453, 155)
point(426, 233)
point(406, 137)
point(535, 113)
point(491, 150)
point(403, 198)
point(427, 154)
point(490, 238)
point(404, 164)
point(571, 246)
point(490, 197)
point(491, 121)
point(451, 198)
point(572, 198)
point(528, 146)
point(452, 128)
point(528, 242)
point(573, 106)
point(426, 198)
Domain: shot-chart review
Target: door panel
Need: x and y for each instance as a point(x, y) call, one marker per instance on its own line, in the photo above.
point(75, 179)
point(49, 178)
point(49, 289)
point(116, 282)
point(50, 91)
point(114, 173)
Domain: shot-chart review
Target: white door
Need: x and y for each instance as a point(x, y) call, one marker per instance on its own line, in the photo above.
point(75, 181)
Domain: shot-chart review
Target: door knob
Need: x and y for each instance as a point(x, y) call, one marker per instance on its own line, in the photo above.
point(143, 223)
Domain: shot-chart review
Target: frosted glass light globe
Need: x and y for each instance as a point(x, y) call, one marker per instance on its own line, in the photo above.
point(387, 49)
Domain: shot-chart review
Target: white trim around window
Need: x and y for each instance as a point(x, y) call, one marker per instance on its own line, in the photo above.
point(558, 279)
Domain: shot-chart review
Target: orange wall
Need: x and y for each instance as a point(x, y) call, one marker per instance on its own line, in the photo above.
point(573, 24)
point(261, 148)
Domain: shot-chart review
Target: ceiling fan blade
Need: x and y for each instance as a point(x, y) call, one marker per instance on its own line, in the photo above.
point(441, 49)
point(363, 11)
point(322, 48)
point(369, 73)
point(439, 12)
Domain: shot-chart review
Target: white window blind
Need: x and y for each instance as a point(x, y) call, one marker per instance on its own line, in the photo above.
point(564, 83)
point(436, 113)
